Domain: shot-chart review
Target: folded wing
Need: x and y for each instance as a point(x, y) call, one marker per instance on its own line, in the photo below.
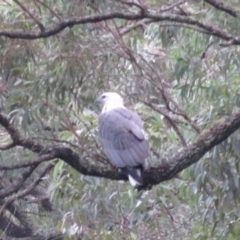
point(122, 138)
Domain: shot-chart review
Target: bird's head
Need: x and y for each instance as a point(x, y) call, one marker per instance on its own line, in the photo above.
point(109, 101)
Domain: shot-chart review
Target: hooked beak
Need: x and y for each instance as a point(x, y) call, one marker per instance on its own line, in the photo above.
point(97, 101)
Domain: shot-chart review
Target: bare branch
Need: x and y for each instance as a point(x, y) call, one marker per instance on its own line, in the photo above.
point(40, 25)
point(18, 182)
point(223, 7)
point(50, 10)
point(172, 6)
point(33, 162)
point(5, 122)
point(194, 152)
point(58, 141)
point(6, 2)
point(184, 158)
point(227, 44)
point(182, 113)
point(8, 146)
point(174, 126)
point(132, 3)
point(39, 195)
point(27, 190)
point(134, 25)
point(210, 29)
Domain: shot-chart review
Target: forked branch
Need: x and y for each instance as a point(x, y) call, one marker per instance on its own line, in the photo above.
point(189, 155)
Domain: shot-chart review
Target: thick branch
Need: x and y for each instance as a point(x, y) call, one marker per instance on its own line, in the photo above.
point(210, 29)
point(222, 7)
point(27, 190)
point(5, 122)
point(8, 146)
point(194, 152)
point(181, 160)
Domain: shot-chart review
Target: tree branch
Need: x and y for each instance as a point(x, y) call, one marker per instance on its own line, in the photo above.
point(27, 190)
point(131, 4)
point(7, 146)
point(50, 10)
point(210, 29)
point(18, 182)
point(170, 121)
point(222, 7)
point(14, 134)
point(172, 6)
point(36, 161)
point(13, 230)
point(155, 175)
point(219, 132)
point(40, 25)
point(19, 215)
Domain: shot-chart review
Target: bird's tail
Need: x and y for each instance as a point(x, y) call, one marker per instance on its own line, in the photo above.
point(134, 174)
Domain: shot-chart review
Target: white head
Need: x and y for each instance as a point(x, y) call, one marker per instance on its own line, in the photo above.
point(110, 100)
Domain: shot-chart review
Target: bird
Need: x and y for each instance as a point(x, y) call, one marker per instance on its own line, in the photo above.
point(122, 137)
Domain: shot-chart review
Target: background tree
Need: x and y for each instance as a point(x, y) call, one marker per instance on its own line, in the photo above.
point(175, 62)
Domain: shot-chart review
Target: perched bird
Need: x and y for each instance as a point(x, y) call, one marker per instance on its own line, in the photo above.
point(121, 136)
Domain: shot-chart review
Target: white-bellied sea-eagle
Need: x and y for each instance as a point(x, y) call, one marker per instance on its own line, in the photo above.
point(121, 136)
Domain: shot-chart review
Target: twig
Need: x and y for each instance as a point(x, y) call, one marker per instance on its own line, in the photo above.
point(227, 44)
point(15, 135)
point(57, 140)
point(203, 55)
point(40, 25)
point(133, 4)
point(180, 112)
point(35, 161)
point(134, 25)
point(18, 182)
point(50, 10)
point(172, 6)
point(168, 99)
point(6, 2)
point(183, 141)
point(171, 220)
point(27, 190)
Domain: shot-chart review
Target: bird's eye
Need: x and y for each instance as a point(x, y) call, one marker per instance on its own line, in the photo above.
point(103, 96)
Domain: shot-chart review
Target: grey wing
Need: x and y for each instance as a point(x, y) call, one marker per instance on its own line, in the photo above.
point(122, 138)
